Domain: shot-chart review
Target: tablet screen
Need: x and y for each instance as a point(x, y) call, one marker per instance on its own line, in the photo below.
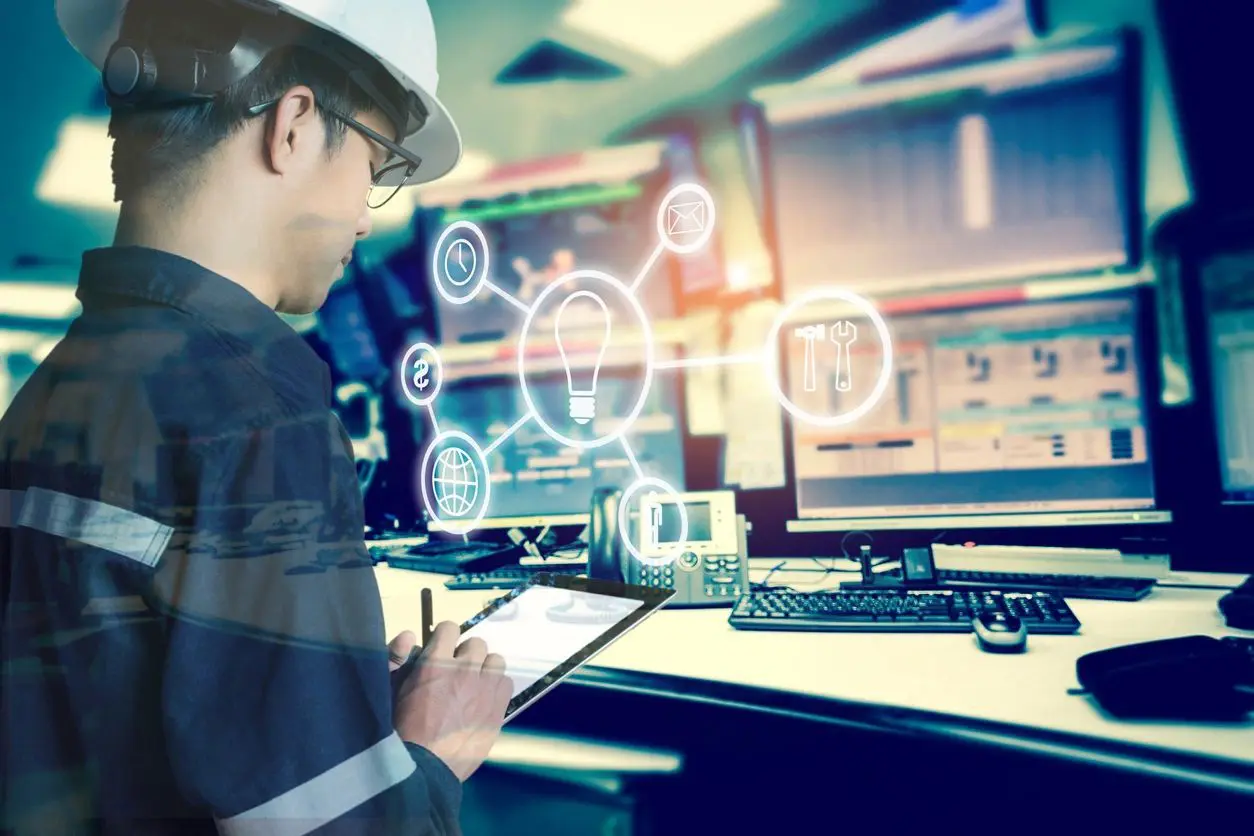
point(548, 627)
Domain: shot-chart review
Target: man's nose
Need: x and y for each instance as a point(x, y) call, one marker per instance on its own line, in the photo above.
point(365, 225)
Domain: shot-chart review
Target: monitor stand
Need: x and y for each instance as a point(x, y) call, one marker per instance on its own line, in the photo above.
point(872, 580)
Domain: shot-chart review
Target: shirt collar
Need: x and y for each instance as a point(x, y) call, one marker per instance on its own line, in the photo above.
point(156, 276)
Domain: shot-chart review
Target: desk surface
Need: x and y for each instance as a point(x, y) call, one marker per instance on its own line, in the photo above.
point(943, 673)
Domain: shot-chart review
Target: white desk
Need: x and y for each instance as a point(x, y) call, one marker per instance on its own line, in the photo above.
point(941, 672)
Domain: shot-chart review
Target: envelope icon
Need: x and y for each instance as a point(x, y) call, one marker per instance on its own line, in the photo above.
point(685, 218)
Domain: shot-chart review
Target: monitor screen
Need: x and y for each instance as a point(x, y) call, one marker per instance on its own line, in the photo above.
point(343, 325)
point(537, 480)
point(537, 238)
point(1015, 167)
point(671, 527)
point(1228, 290)
point(992, 413)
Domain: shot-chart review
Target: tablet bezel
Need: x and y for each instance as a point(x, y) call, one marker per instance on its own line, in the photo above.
point(651, 598)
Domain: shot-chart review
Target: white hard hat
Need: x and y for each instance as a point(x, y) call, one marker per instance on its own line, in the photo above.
point(399, 34)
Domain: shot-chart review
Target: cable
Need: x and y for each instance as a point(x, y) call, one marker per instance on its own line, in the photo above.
point(870, 541)
point(556, 551)
point(765, 583)
point(844, 548)
point(824, 571)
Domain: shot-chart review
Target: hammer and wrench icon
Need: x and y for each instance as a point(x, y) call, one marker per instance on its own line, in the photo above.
point(842, 334)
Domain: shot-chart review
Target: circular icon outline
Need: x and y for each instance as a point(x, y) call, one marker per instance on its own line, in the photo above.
point(624, 503)
point(474, 262)
point(645, 325)
point(706, 234)
point(457, 526)
point(770, 356)
point(439, 379)
point(437, 262)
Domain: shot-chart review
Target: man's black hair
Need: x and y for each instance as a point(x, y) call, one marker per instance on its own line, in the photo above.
point(163, 148)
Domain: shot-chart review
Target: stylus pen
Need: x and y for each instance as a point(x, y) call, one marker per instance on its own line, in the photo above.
point(427, 616)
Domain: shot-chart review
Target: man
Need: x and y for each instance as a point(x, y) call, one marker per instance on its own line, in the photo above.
point(192, 631)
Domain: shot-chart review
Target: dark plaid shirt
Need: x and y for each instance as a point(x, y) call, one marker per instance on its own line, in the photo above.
point(192, 638)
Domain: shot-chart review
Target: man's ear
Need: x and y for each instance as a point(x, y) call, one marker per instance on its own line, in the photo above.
point(295, 135)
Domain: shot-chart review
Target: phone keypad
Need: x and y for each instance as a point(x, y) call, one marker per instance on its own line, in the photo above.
point(722, 576)
point(658, 576)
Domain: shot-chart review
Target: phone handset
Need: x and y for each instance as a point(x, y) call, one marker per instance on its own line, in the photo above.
point(605, 550)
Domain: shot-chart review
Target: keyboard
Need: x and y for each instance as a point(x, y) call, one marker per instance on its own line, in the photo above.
point(898, 611)
point(1068, 586)
point(449, 558)
point(509, 577)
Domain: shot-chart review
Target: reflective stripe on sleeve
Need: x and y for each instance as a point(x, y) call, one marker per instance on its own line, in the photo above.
point(330, 795)
point(10, 507)
point(96, 524)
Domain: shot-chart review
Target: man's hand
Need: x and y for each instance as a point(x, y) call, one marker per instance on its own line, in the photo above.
point(453, 701)
point(399, 650)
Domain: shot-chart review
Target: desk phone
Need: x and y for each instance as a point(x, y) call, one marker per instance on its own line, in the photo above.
point(710, 565)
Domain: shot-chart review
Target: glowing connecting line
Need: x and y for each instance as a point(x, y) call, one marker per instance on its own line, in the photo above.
point(703, 362)
point(506, 295)
point(503, 437)
point(435, 424)
point(571, 321)
point(648, 267)
point(631, 457)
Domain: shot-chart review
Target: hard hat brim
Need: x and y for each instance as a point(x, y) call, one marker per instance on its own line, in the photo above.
point(92, 28)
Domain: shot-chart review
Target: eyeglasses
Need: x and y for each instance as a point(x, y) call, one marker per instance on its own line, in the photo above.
point(400, 171)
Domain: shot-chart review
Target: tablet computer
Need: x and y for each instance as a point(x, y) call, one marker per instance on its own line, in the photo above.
point(552, 624)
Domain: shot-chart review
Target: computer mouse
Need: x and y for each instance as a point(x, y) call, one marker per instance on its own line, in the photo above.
point(999, 632)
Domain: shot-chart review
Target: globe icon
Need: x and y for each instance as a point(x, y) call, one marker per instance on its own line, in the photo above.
point(456, 482)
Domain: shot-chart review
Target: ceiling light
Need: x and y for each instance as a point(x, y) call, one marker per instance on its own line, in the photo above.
point(664, 30)
point(33, 300)
point(79, 171)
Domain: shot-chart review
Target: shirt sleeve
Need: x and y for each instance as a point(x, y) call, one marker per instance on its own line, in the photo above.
point(277, 696)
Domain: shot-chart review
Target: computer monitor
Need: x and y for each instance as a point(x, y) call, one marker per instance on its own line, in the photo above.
point(537, 480)
point(1027, 413)
point(538, 237)
point(1228, 297)
point(346, 329)
point(1012, 167)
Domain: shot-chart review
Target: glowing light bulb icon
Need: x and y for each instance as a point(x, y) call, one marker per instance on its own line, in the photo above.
point(569, 330)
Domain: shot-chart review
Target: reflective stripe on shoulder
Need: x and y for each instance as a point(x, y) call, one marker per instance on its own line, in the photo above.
point(96, 524)
point(10, 507)
point(325, 798)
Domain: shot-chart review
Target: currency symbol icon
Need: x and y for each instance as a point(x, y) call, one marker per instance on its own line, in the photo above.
point(421, 368)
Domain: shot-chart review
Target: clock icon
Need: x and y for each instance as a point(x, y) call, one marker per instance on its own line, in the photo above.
point(460, 262)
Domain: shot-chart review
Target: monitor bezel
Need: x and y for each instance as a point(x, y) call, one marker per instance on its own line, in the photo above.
point(653, 186)
point(1204, 381)
point(557, 518)
point(1159, 513)
point(1213, 523)
point(1129, 71)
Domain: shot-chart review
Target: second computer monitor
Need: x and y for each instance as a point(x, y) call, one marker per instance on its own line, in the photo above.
point(535, 240)
point(537, 480)
point(1029, 413)
point(1227, 288)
